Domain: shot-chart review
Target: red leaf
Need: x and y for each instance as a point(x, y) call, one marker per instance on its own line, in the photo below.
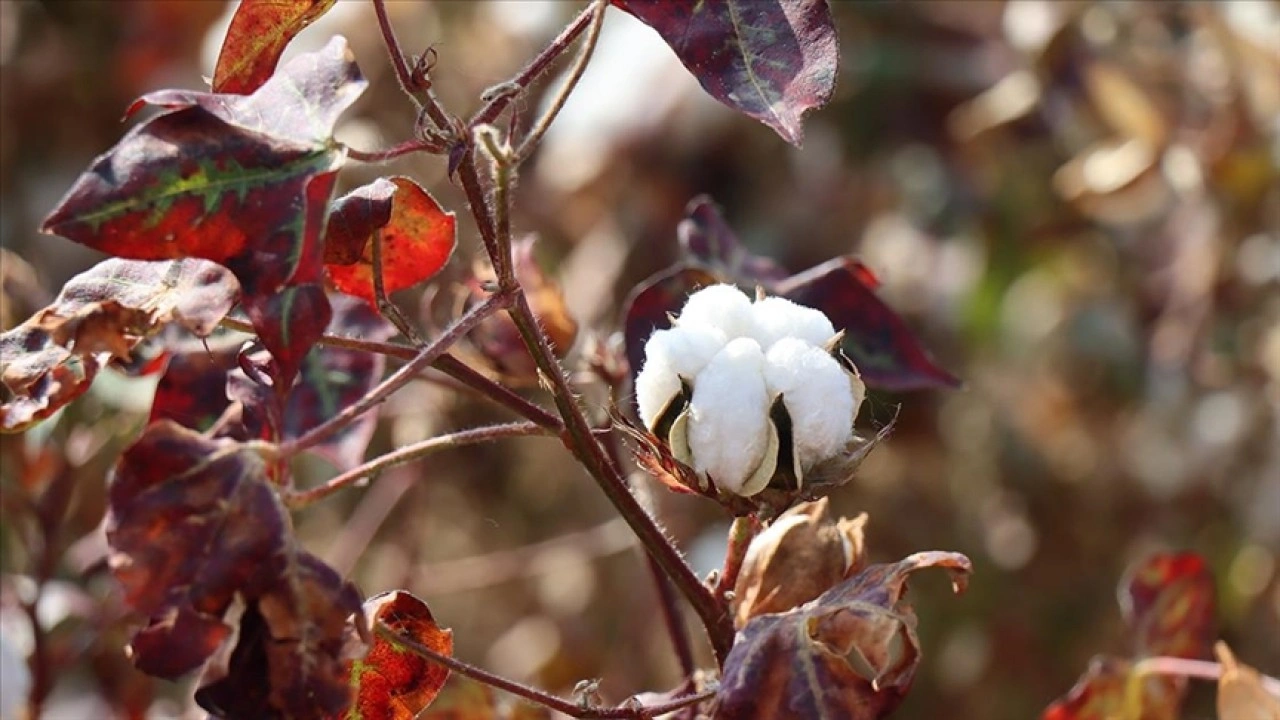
point(289, 658)
point(240, 180)
point(191, 522)
point(1168, 603)
point(880, 344)
point(851, 653)
point(417, 239)
point(289, 323)
point(773, 60)
point(353, 220)
point(192, 390)
point(392, 682)
point(258, 34)
point(101, 314)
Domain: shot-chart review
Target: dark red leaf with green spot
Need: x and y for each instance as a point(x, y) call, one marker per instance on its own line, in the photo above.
point(258, 34)
point(417, 239)
point(333, 378)
point(391, 681)
point(244, 181)
point(289, 323)
point(651, 301)
point(880, 344)
point(101, 314)
point(773, 60)
point(851, 653)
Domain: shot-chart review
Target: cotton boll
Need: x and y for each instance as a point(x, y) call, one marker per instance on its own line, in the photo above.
point(723, 307)
point(817, 394)
point(729, 416)
point(776, 318)
point(670, 355)
point(656, 384)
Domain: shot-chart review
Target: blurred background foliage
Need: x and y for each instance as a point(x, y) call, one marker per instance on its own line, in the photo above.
point(1075, 204)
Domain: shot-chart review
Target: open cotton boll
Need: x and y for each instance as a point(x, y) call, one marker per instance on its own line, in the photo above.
point(729, 415)
point(818, 397)
point(776, 318)
point(723, 307)
point(680, 352)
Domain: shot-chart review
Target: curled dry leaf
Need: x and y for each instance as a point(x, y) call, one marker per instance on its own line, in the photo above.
point(851, 653)
point(418, 237)
point(1241, 695)
point(801, 555)
point(100, 315)
point(192, 525)
point(391, 681)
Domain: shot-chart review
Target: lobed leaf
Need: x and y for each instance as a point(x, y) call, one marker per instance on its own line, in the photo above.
point(391, 681)
point(100, 315)
point(851, 653)
point(289, 322)
point(773, 60)
point(418, 237)
point(257, 36)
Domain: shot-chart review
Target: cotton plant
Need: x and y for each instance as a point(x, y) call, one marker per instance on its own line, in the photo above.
point(744, 390)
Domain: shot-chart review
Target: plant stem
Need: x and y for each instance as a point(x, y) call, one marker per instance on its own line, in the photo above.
point(562, 95)
point(740, 535)
point(398, 379)
point(428, 103)
point(407, 147)
point(1199, 669)
point(389, 310)
point(535, 68)
point(446, 363)
point(579, 437)
point(412, 452)
point(572, 709)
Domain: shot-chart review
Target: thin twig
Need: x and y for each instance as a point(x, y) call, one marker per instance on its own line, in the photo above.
point(446, 363)
point(579, 436)
point(534, 695)
point(562, 95)
point(407, 147)
point(409, 453)
point(427, 103)
point(740, 535)
point(494, 107)
point(1199, 669)
point(396, 380)
point(390, 310)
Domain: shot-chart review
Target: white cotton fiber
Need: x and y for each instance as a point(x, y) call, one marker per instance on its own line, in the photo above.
point(817, 395)
point(729, 415)
point(776, 318)
point(723, 307)
point(672, 354)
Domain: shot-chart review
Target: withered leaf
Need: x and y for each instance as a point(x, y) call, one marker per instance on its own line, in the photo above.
point(850, 654)
point(101, 314)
